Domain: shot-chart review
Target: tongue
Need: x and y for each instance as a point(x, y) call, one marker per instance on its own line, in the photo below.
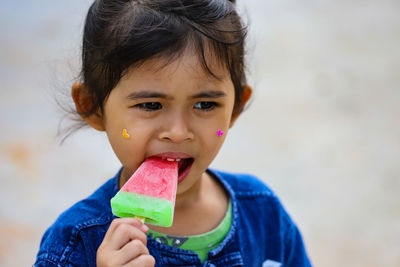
point(183, 164)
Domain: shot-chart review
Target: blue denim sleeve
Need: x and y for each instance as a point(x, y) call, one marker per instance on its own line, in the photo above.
point(295, 254)
point(73, 239)
point(45, 263)
point(57, 249)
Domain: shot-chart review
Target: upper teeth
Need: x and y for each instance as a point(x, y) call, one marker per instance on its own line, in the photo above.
point(169, 159)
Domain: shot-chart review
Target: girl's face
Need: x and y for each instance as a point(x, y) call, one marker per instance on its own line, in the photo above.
point(172, 111)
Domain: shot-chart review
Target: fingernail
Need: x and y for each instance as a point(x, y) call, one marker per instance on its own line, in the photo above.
point(144, 228)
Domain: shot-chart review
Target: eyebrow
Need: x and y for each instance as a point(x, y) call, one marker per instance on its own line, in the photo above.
point(209, 94)
point(146, 94)
point(149, 94)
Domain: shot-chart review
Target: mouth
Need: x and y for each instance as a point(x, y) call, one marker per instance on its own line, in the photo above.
point(184, 166)
point(185, 163)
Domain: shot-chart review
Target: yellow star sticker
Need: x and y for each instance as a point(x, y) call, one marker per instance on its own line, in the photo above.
point(125, 134)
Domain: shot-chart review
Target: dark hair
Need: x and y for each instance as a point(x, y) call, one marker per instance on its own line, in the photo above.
point(119, 34)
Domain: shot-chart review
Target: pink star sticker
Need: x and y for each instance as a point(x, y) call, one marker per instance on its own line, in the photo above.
point(220, 133)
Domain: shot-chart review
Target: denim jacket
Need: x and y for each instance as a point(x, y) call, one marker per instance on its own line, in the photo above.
point(261, 234)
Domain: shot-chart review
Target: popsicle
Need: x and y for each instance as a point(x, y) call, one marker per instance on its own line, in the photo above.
point(149, 193)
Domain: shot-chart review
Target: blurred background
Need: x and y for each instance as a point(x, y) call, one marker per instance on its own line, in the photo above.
point(322, 130)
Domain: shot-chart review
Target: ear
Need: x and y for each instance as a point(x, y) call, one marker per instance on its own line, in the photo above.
point(247, 91)
point(83, 103)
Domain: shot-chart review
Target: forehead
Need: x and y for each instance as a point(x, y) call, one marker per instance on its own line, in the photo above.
point(194, 64)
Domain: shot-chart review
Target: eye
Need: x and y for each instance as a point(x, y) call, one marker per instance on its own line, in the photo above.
point(149, 106)
point(206, 106)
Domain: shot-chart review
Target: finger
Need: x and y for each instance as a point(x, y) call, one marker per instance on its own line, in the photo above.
point(143, 260)
point(132, 250)
point(117, 222)
point(123, 234)
point(132, 221)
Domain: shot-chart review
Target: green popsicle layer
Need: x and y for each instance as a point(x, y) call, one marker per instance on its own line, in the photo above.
point(156, 211)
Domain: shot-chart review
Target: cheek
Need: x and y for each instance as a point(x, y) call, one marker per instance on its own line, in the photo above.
point(130, 152)
point(211, 141)
point(128, 139)
point(140, 130)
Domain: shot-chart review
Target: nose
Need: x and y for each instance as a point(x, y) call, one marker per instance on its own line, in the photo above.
point(176, 129)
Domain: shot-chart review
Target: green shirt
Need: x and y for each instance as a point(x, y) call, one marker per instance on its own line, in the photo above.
point(200, 244)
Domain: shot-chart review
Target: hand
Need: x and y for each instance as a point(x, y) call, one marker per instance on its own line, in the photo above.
point(125, 245)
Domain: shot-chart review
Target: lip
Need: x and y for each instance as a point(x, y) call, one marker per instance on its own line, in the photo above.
point(173, 155)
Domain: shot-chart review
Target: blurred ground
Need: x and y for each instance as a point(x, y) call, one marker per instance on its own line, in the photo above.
point(323, 129)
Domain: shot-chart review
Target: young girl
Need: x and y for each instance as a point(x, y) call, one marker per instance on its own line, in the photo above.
point(165, 78)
